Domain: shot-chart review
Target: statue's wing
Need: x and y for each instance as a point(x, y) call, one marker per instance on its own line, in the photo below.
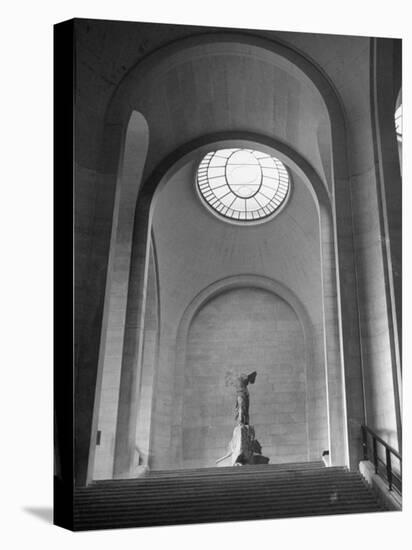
point(252, 377)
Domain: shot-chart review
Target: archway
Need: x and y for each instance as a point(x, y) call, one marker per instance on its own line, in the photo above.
point(340, 299)
point(241, 330)
point(299, 432)
point(136, 142)
point(329, 339)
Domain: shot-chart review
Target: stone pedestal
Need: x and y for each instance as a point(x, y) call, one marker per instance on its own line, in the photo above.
point(243, 448)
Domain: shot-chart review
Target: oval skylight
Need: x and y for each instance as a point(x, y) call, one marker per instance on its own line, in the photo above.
point(242, 184)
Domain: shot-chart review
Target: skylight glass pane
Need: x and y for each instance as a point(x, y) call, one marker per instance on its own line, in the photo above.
point(242, 184)
point(222, 191)
point(243, 156)
point(269, 187)
point(239, 204)
point(225, 153)
point(267, 162)
point(228, 199)
point(215, 182)
point(217, 161)
point(214, 171)
point(252, 205)
point(270, 172)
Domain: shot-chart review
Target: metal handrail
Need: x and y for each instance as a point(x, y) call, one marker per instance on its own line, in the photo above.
point(390, 474)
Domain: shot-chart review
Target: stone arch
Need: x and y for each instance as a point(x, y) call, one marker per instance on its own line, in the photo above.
point(135, 147)
point(218, 288)
point(239, 281)
point(338, 238)
point(138, 277)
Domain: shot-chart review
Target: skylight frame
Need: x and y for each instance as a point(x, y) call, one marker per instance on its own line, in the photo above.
point(219, 197)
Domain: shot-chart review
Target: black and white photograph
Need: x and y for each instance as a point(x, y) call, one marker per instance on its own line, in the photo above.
point(222, 286)
point(237, 265)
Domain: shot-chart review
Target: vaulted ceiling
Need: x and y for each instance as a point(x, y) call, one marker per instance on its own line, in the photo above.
point(225, 87)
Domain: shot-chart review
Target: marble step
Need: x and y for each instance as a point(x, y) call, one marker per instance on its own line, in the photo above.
point(271, 487)
point(215, 514)
point(210, 495)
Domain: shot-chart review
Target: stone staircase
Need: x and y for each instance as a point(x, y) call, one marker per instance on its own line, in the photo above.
point(222, 494)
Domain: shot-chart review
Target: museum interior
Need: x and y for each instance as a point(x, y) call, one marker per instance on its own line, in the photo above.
point(237, 210)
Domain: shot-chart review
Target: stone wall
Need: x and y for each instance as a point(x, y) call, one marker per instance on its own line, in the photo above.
point(245, 330)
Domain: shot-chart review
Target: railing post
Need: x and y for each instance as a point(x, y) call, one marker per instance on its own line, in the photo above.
point(389, 468)
point(364, 443)
point(375, 454)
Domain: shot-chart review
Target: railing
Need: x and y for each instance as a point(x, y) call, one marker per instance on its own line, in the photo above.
point(384, 467)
